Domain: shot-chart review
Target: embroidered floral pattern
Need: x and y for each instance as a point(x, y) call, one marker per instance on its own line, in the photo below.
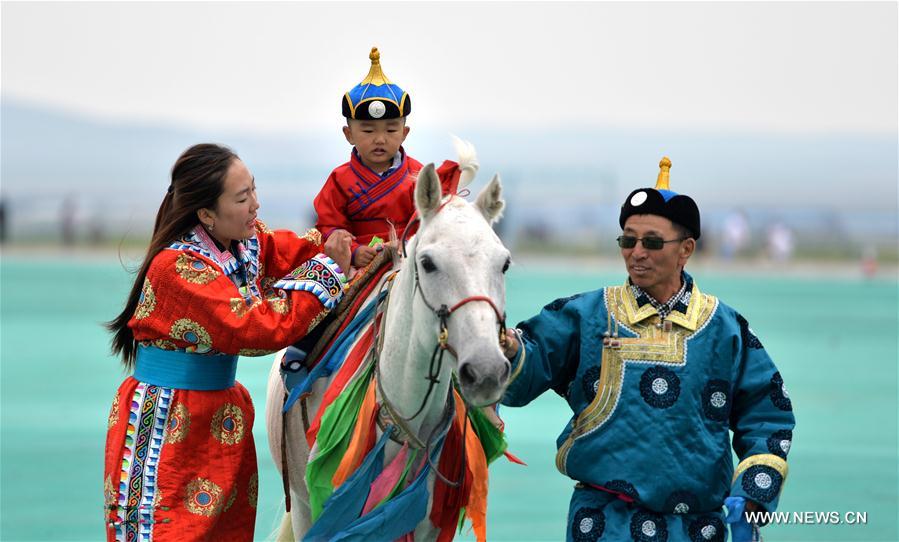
point(716, 400)
point(178, 425)
point(762, 483)
point(255, 352)
point(707, 528)
point(319, 276)
point(161, 343)
point(240, 307)
point(204, 498)
point(588, 525)
point(779, 395)
point(623, 487)
point(648, 527)
point(262, 227)
point(590, 383)
point(146, 302)
point(749, 338)
point(191, 332)
point(195, 270)
point(253, 489)
point(660, 387)
point(780, 442)
point(313, 236)
point(113, 413)
point(109, 492)
point(681, 502)
point(279, 305)
point(227, 424)
point(231, 499)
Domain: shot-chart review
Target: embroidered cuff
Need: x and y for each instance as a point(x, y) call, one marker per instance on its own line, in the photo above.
point(319, 275)
point(760, 478)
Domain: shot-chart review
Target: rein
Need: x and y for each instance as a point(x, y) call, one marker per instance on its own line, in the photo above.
point(443, 314)
point(400, 432)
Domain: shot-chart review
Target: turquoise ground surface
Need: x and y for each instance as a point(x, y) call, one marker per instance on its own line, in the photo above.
point(834, 340)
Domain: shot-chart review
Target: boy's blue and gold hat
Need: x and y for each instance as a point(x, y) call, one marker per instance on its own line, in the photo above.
point(376, 98)
point(662, 201)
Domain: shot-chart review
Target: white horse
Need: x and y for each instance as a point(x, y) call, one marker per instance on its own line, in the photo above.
point(457, 262)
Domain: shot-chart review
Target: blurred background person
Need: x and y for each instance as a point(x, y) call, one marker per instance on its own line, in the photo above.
point(735, 235)
point(3, 232)
point(780, 242)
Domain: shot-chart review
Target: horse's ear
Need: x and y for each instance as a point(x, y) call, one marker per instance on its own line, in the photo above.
point(490, 201)
point(428, 191)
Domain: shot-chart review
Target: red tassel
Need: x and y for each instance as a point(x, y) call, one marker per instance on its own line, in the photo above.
point(514, 459)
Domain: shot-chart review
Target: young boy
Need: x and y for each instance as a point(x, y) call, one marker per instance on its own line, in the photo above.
point(373, 192)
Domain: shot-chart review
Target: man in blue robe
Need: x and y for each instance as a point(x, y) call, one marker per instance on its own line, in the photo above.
point(657, 373)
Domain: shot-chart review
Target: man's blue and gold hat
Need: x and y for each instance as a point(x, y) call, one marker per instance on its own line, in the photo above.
point(376, 98)
point(662, 201)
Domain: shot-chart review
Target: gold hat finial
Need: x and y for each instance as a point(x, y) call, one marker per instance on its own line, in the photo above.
point(375, 74)
point(662, 181)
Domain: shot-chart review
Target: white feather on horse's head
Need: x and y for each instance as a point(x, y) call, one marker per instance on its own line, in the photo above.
point(467, 159)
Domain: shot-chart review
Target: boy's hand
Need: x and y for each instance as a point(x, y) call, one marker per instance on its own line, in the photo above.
point(364, 255)
point(337, 247)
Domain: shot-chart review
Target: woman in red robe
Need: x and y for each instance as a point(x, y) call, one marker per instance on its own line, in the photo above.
point(216, 283)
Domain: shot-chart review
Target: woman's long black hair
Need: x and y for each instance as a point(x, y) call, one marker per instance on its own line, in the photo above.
point(198, 179)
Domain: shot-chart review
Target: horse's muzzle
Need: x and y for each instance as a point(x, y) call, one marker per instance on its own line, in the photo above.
point(483, 381)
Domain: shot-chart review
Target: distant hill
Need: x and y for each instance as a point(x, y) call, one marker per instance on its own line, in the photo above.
point(114, 173)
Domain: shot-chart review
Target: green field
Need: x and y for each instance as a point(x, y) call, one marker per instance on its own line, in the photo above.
point(833, 339)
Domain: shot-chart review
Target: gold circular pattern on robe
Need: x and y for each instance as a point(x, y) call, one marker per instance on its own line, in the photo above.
point(147, 301)
point(163, 344)
point(260, 226)
point(253, 489)
point(227, 424)
point(255, 352)
point(189, 331)
point(178, 425)
point(109, 492)
point(113, 413)
point(195, 270)
point(279, 305)
point(240, 308)
point(204, 498)
point(313, 236)
point(231, 500)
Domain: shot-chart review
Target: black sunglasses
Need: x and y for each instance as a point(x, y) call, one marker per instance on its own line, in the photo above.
point(649, 243)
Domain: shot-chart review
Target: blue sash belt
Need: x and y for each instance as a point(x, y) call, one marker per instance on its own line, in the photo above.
point(184, 370)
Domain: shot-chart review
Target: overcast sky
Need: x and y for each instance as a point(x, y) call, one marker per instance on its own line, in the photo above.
point(769, 67)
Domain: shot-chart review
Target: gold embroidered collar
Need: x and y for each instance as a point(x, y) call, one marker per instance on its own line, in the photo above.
point(635, 314)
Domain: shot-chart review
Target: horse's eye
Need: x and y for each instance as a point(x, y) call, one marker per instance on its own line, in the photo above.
point(428, 265)
point(506, 265)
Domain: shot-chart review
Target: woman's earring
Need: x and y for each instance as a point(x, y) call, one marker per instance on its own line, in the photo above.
point(210, 227)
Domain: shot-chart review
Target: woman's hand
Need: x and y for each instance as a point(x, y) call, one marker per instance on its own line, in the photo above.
point(337, 247)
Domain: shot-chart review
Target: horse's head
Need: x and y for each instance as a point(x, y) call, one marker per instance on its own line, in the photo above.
point(460, 264)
